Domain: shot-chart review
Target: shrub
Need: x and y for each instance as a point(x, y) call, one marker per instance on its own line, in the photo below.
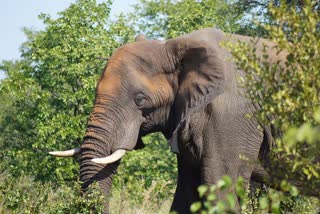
point(24, 195)
point(288, 91)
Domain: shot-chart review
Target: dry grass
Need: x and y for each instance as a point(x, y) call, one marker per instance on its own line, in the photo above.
point(121, 203)
point(23, 195)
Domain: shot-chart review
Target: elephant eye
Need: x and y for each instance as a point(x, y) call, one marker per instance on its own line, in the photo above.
point(143, 101)
point(140, 100)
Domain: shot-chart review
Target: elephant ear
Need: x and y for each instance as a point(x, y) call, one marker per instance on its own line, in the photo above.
point(200, 71)
point(140, 37)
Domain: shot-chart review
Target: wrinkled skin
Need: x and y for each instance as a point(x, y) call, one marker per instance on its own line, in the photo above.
point(187, 89)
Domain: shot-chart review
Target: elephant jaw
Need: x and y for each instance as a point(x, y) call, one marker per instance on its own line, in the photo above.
point(119, 153)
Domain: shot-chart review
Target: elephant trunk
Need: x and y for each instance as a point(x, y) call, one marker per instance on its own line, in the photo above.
point(97, 143)
point(107, 137)
point(93, 172)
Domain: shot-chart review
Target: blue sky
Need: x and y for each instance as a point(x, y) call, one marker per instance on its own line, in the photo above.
point(16, 14)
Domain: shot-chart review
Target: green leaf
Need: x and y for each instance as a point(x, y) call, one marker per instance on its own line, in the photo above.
point(227, 180)
point(221, 184)
point(263, 202)
point(221, 206)
point(196, 206)
point(211, 197)
point(231, 200)
point(202, 189)
point(316, 116)
point(294, 191)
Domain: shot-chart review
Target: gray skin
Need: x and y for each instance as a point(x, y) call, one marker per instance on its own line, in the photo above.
point(187, 89)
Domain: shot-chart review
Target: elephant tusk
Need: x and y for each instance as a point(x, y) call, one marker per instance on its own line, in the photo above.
point(110, 159)
point(67, 153)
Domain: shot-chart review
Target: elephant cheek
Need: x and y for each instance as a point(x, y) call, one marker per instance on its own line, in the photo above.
point(128, 137)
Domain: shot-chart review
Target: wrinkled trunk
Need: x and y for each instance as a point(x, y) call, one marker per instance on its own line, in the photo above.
point(91, 172)
point(109, 129)
point(98, 143)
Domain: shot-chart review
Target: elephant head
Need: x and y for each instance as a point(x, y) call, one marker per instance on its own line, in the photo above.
point(147, 86)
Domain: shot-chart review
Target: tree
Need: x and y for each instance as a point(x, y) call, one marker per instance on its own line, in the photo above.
point(258, 12)
point(52, 87)
point(169, 19)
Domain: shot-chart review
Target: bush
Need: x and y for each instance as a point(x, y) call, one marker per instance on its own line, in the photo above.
point(289, 95)
point(51, 89)
point(154, 166)
point(24, 195)
point(272, 201)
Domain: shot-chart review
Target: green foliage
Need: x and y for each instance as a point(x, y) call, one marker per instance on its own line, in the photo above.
point(298, 152)
point(52, 87)
point(257, 14)
point(288, 91)
point(226, 197)
point(155, 166)
point(290, 88)
point(169, 19)
point(285, 201)
point(24, 195)
point(219, 198)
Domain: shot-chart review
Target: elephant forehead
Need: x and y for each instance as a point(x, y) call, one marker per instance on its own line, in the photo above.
point(155, 83)
point(109, 84)
point(146, 56)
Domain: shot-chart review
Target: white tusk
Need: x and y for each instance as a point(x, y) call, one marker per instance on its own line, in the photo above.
point(110, 159)
point(67, 153)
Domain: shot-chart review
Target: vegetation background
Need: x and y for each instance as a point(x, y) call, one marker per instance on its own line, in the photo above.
point(48, 95)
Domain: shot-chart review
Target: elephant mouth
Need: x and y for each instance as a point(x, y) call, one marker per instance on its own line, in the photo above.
point(140, 144)
point(111, 150)
point(145, 127)
point(148, 125)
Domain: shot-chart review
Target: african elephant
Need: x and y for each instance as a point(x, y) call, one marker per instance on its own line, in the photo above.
point(187, 89)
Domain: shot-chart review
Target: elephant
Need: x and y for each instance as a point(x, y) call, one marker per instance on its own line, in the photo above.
point(188, 89)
